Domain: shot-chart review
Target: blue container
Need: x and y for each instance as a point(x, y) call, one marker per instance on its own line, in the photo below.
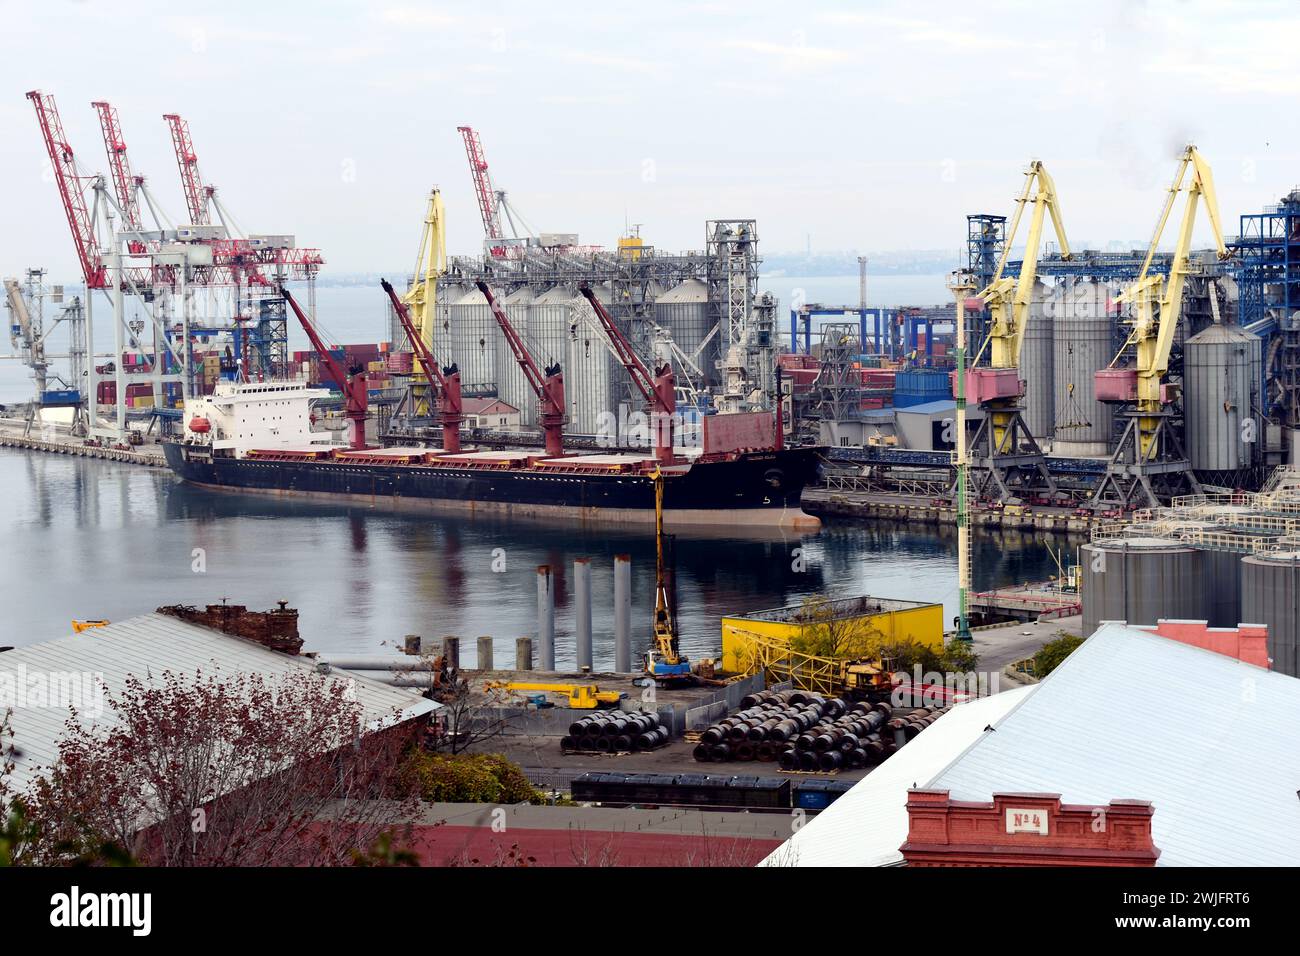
point(61, 397)
point(921, 385)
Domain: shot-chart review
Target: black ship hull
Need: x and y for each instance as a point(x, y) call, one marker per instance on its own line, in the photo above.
point(762, 488)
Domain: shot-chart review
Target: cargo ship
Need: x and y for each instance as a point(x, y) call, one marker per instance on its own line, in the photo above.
point(258, 437)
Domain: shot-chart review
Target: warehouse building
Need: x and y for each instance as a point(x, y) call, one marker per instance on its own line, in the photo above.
point(1121, 731)
point(40, 682)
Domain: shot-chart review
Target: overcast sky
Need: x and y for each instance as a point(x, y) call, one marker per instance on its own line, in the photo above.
point(874, 126)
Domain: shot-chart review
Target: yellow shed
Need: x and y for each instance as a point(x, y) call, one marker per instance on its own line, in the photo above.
point(844, 628)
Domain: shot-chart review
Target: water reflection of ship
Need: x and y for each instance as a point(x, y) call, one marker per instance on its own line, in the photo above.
point(747, 570)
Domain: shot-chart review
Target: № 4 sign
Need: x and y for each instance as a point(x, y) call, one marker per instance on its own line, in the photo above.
point(1026, 821)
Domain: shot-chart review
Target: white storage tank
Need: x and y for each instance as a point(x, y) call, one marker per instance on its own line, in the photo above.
point(473, 334)
point(684, 311)
point(1083, 340)
point(512, 386)
point(1036, 361)
point(1221, 375)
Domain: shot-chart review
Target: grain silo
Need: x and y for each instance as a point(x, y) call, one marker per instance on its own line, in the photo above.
point(512, 386)
point(1221, 374)
point(1270, 595)
point(684, 311)
point(473, 342)
point(1141, 580)
point(1036, 361)
point(1083, 342)
point(587, 367)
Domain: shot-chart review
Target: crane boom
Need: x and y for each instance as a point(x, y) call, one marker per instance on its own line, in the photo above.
point(1152, 335)
point(1009, 300)
point(483, 190)
point(548, 388)
point(71, 189)
point(125, 185)
point(356, 397)
point(196, 193)
point(445, 381)
point(658, 388)
point(422, 296)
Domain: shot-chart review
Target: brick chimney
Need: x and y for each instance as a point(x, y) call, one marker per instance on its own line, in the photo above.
point(1026, 829)
point(276, 629)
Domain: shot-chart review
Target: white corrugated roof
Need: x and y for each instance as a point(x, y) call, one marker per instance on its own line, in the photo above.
point(1209, 740)
point(867, 825)
point(145, 646)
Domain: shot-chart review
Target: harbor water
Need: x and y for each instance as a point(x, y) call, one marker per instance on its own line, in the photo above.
point(94, 539)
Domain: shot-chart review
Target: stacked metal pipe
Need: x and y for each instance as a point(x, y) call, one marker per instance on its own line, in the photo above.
point(615, 732)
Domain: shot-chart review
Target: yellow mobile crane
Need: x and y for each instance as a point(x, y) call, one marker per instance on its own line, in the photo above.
point(422, 297)
point(664, 664)
point(1149, 458)
point(1005, 458)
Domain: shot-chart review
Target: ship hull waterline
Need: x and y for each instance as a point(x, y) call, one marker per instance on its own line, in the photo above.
point(759, 490)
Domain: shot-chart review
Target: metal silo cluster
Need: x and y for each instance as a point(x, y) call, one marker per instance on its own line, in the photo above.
point(1226, 559)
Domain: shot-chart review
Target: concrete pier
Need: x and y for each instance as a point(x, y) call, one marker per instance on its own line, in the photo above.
point(546, 616)
point(582, 610)
point(485, 653)
point(523, 653)
point(451, 651)
point(622, 613)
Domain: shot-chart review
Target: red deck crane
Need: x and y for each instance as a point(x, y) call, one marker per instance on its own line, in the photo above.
point(196, 193)
point(72, 187)
point(445, 381)
point(124, 184)
point(356, 397)
point(657, 387)
point(548, 388)
point(487, 204)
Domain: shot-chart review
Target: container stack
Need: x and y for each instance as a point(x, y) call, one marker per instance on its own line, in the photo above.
point(615, 732)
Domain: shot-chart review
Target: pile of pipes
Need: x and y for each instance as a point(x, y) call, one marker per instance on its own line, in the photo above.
point(614, 732)
point(809, 732)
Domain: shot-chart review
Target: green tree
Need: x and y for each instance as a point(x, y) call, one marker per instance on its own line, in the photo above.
point(468, 778)
point(1050, 656)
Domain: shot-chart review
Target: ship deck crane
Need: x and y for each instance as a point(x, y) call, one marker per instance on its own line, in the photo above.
point(657, 387)
point(446, 381)
point(1005, 456)
point(548, 387)
point(1149, 456)
point(356, 397)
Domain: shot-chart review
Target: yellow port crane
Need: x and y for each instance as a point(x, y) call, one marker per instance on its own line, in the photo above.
point(1005, 456)
point(1149, 449)
point(422, 297)
point(665, 663)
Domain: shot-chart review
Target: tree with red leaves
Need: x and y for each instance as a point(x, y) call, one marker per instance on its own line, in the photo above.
point(225, 770)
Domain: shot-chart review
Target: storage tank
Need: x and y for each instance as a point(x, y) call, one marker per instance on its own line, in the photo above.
point(473, 341)
point(512, 387)
point(1141, 580)
point(1222, 576)
point(1221, 373)
point(684, 311)
point(561, 327)
point(1270, 595)
point(1036, 359)
point(1083, 342)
